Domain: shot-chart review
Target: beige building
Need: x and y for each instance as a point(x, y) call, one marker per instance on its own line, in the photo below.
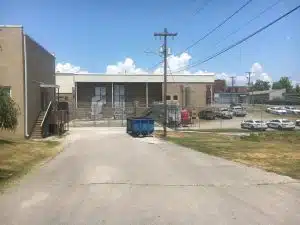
point(122, 90)
point(27, 72)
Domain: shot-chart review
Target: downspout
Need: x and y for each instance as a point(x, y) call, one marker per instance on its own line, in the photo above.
point(25, 87)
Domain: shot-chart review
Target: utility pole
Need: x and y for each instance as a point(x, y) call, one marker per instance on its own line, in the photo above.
point(165, 35)
point(232, 83)
point(249, 83)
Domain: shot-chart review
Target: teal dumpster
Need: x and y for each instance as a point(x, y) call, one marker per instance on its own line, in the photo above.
point(142, 126)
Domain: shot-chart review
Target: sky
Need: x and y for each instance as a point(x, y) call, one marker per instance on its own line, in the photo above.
point(113, 36)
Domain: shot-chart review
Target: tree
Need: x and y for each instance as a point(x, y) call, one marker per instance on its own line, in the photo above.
point(261, 85)
point(297, 89)
point(9, 111)
point(283, 83)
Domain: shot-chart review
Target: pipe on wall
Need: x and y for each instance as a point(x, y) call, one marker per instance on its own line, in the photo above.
point(25, 87)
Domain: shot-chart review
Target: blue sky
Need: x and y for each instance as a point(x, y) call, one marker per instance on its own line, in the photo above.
point(93, 34)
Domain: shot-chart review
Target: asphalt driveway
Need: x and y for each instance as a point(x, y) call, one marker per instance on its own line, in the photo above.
point(107, 177)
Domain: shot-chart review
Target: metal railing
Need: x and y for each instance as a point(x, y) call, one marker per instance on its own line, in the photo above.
point(46, 113)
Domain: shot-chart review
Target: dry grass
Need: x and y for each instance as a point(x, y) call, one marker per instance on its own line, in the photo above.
point(273, 151)
point(17, 157)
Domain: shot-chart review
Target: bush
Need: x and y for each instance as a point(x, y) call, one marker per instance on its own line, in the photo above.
point(9, 112)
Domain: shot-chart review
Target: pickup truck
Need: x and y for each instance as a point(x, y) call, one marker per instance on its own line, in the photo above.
point(224, 113)
point(239, 111)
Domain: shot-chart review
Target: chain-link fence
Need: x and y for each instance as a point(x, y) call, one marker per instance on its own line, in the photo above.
point(230, 117)
point(210, 117)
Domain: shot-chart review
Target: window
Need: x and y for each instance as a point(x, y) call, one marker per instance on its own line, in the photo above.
point(101, 92)
point(6, 90)
point(168, 97)
point(175, 97)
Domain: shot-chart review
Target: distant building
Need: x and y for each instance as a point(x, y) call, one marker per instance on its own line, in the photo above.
point(219, 86)
point(259, 97)
point(111, 93)
point(228, 95)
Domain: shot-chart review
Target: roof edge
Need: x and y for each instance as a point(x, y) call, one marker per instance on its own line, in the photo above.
point(104, 74)
point(11, 26)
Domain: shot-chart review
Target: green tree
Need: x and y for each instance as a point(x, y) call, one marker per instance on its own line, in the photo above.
point(261, 85)
point(9, 111)
point(297, 89)
point(284, 82)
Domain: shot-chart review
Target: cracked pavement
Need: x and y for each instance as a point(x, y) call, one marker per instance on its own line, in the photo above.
point(105, 176)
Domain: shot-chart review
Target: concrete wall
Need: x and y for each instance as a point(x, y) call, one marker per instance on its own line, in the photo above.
point(40, 68)
point(11, 71)
point(189, 95)
point(65, 82)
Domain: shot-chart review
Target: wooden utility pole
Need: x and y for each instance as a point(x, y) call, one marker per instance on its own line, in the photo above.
point(249, 83)
point(165, 35)
point(232, 83)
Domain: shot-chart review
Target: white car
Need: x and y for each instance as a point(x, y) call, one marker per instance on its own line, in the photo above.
point(239, 111)
point(292, 110)
point(278, 111)
point(297, 122)
point(281, 124)
point(224, 113)
point(254, 125)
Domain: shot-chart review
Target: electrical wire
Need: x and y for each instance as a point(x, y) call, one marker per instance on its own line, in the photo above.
point(210, 32)
point(203, 7)
point(250, 21)
point(239, 42)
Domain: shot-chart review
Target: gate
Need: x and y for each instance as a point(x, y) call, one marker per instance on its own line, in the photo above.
point(101, 114)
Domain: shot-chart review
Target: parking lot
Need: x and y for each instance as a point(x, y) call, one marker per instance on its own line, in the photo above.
point(256, 113)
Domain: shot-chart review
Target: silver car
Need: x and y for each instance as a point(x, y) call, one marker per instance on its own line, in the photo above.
point(254, 125)
point(281, 124)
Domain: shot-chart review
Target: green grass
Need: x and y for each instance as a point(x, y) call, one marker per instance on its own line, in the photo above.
point(17, 157)
point(273, 151)
point(229, 130)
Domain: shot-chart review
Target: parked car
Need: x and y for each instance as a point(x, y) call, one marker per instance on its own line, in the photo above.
point(254, 125)
point(281, 124)
point(270, 109)
point(279, 111)
point(208, 114)
point(292, 110)
point(239, 111)
point(224, 113)
point(235, 104)
point(297, 123)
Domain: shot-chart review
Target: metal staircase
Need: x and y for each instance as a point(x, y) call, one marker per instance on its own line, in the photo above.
point(37, 132)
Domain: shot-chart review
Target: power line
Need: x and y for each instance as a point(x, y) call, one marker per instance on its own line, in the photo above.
point(210, 32)
point(239, 42)
point(203, 7)
point(197, 12)
point(248, 22)
point(217, 27)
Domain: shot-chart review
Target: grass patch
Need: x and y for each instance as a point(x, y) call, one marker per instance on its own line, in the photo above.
point(17, 157)
point(221, 130)
point(273, 151)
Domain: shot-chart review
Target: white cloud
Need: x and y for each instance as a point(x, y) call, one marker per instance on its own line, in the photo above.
point(238, 80)
point(259, 74)
point(242, 80)
point(126, 67)
point(68, 68)
point(175, 63)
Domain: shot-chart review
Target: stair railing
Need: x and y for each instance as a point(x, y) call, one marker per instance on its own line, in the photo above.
point(46, 113)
